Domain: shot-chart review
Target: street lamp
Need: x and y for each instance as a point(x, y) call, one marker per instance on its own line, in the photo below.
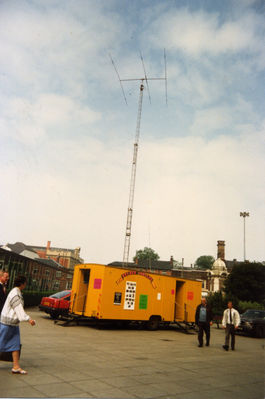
point(244, 215)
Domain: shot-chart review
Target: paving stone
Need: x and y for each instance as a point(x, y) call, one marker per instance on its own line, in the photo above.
point(145, 391)
point(12, 380)
point(20, 392)
point(121, 381)
point(81, 361)
point(58, 389)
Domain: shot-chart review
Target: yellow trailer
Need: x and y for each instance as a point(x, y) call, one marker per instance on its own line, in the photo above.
point(116, 293)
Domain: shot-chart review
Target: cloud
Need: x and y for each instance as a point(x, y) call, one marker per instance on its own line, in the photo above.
point(200, 32)
point(60, 48)
point(66, 134)
point(189, 192)
point(29, 121)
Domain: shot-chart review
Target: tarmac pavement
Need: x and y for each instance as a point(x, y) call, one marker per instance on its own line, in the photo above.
point(83, 361)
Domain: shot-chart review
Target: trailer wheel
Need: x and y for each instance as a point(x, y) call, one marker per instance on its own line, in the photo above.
point(54, 315)
point(153, 323)
point(121, 324)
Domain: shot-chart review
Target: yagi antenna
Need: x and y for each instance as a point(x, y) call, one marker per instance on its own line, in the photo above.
point(136, 146)
point(146, 79)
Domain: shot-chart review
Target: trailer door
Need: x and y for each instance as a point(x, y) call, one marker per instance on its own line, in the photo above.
point(81, 294)
point(179, 301)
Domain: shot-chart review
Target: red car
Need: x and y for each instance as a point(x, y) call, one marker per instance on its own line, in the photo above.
point(57, 304)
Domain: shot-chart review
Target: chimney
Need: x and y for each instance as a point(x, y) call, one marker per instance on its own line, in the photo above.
point(48, 245)
point(221, 250)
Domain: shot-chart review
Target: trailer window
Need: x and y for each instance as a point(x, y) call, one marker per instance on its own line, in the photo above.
point(117, 298)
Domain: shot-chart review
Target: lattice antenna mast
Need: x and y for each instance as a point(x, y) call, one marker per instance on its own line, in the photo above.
point(135, 149)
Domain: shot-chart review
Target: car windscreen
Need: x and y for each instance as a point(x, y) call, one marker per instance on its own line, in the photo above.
point(60, 294)
point(254, 314)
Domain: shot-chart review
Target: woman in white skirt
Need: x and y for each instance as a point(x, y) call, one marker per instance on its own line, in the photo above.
point(12, 314)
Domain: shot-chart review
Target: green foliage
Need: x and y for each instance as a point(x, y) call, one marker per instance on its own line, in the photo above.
point(217, 302)
point(145, 255)
point(33, 298)
point(204, 262)
point(247, 282)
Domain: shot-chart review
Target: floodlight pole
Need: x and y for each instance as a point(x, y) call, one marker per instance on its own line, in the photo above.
point(244, 215)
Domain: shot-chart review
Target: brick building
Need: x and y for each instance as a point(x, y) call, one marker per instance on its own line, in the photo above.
point(66, 257)
point(42, 274)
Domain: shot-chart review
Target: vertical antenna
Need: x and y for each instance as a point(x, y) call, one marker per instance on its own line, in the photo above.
point(135, 150)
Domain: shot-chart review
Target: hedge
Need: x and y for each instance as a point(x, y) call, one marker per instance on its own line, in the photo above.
point(33, 298)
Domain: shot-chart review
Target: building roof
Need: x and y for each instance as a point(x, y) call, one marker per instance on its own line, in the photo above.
point(48, 262)
point(190, 273)
point(38, 247)
point(19, 247)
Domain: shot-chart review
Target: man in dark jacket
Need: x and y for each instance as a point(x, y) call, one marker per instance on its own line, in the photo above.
point(3, 281)
point(203, 319)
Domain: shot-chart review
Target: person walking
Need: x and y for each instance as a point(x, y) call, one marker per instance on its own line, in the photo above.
point(203, 319)
point(12, 314)
point(231, 321)
point(4, 276)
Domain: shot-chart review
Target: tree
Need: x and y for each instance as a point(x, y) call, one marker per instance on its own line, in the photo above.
point(247, 282)
point(217, 303)
point(146, 255)
point(204, 262)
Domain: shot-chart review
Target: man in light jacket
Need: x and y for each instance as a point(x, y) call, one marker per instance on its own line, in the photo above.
point(231, 321)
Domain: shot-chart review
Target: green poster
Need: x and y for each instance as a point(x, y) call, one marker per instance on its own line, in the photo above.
point(143, 301)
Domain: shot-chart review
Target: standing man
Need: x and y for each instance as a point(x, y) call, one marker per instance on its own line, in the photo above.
point(231, 321)
point(4, 276)
point(203, 319)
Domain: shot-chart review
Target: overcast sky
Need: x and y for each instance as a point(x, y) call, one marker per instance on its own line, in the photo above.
point(66, 134)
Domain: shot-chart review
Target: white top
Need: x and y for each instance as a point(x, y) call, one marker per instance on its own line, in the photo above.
point(235, 317)
point(13, 310)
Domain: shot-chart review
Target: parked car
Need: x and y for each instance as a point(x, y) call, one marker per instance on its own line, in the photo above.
point(57, 304)
point(253, 322)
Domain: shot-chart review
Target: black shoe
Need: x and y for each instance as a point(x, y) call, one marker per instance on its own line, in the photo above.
point(232, 348)
point(207, 344)
point(225, 347)
point(200, 346)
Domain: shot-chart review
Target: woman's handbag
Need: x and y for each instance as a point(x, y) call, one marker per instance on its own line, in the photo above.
point(7, 356)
